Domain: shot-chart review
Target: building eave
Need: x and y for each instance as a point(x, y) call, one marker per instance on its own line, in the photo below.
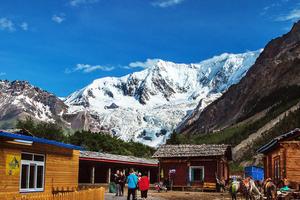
point(38, 140)
point(118, 162)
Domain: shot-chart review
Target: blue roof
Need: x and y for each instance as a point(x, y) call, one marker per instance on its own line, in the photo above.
point(275, 141)
point(39, 140)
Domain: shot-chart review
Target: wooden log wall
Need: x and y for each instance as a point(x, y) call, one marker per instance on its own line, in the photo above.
point(292, 161)
point(61, 166)
point(288, 153)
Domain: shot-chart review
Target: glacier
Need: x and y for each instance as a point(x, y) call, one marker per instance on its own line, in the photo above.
point(146, 106)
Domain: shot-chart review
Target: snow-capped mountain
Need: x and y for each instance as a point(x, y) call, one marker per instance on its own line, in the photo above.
point(146, 106)
point(19, 99)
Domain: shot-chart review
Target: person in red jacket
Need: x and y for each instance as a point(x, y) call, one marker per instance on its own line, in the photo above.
point(144, 185)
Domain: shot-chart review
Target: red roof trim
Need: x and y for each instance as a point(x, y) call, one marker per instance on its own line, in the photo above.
point(118, 161)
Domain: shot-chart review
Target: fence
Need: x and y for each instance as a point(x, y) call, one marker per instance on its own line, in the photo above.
point(89, 194)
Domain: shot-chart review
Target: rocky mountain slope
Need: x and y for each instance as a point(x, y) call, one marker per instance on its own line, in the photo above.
point(275, 72)
point(146, 106)
point(19, 99)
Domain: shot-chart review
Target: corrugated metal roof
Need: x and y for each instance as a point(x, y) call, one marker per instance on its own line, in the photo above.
point(276, 140)
point(117, 158)
point(203, 150)
point(38, 140)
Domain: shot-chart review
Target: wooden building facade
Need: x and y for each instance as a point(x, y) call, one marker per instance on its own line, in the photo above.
point(98, 168)
point(282, 158)
point(193, 165)
point(29, 164)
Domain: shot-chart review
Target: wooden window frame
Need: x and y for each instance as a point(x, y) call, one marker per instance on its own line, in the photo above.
point(277, 169)
point(36, 164)
point(196, 167)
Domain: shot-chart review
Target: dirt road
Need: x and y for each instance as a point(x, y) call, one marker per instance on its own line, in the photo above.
point(153, 195)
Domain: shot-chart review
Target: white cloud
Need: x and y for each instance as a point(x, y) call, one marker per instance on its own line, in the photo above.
point(86, 68)
point(79, 2)
point(11, 26)
point(7, 24)
point(293, 15)
point(2, 73)
point(58, 18)
point(24, 26)
point(166, 3)
point(148, 63)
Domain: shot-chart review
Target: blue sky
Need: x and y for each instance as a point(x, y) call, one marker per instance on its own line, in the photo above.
point(62, 45)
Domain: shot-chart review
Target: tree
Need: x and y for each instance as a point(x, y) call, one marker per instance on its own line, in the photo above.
point(174, 139)
point(47, 130)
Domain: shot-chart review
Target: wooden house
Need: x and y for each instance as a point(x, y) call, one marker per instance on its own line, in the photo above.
point(193, 165)
point(97, 168)
point(34, 165)
point(282, 157)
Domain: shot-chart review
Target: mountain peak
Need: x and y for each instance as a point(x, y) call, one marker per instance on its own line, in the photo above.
point(19, 99)
point(296, 27)
point(147, 105)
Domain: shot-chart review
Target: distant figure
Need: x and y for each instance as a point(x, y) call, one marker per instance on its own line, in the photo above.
point(166, 183)
point(221, 184)
point(122, 182)
point(132, 181)
point(234, 188)
point(285, 185)
point(144, 185)
point(117, 182)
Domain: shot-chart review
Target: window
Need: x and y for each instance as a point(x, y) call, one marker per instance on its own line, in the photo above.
point(196, 173)
point(277, 168)
point(32, 172)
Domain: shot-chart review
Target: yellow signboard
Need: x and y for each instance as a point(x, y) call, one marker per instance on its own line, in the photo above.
point(13, 163)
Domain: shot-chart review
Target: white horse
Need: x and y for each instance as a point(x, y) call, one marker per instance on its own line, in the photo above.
point(254, 192)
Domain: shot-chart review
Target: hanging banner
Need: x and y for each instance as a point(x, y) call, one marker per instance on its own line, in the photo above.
point(13, 163)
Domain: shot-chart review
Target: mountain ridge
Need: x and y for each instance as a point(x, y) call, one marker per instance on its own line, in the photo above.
point(144, 106)
point(153, 101)
point(273, 80)
point(20, 99)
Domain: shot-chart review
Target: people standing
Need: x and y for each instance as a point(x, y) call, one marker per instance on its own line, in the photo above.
point(144, 185)
point(117, 182)
point(132, 181)
point(122, 182)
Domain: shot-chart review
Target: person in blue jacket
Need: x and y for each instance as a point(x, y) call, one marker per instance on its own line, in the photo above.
point(132, 181)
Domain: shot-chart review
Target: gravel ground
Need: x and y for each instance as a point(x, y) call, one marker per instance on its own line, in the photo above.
point(153, 195)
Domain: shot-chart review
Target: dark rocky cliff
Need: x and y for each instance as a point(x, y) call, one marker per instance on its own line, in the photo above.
point(277, 68)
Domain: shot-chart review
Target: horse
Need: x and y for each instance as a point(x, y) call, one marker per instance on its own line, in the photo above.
point(270, 189)
point(247, 188)
point(253, 190)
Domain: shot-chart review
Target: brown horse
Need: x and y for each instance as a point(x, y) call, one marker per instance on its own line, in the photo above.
point(270, 189)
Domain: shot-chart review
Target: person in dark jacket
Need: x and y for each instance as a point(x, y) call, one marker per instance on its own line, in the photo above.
point(117, 179)
point(122, 182)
